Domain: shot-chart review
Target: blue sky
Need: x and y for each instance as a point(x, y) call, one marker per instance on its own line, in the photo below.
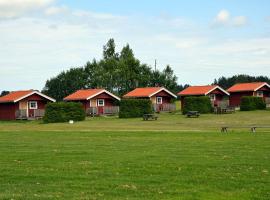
point(201, 40)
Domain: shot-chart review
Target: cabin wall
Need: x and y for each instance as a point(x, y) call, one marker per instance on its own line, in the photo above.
point(235, 97)
point(7, 111)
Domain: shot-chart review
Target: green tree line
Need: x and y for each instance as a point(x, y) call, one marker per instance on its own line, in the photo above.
point(117, 72)
point(242, 78)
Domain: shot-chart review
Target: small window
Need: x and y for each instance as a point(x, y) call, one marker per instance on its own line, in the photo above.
point(212, 97)
point(100, 102)
point(159, 100)
point(33, 105)
point(260, 94)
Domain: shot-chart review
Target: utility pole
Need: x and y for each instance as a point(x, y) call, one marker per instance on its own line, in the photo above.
point(155, 65)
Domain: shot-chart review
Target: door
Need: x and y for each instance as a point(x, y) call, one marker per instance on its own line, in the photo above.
point(23, 109)
point(159, 102)
point(100, 105)
point(32, 106)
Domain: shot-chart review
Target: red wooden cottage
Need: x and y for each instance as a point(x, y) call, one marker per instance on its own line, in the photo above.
point(216, 94)
point(28, 104)
point(161, 98)
point(259, 89)
point(95, 101)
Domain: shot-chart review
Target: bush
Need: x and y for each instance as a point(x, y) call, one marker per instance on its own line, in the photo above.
point(249, 103)
point(63, 112)
point(132, 108)
point(200, 104)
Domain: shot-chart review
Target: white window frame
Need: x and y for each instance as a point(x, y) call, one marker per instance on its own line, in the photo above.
point(100, 105)
point(259, 93)
point(212, 97)
point(30, 106)
point(161, 100)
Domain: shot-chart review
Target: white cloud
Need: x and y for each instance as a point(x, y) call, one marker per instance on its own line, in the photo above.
point(54, 10)
point(224, 18)
point(16, 8)
point(240, 21)
point(37, 48)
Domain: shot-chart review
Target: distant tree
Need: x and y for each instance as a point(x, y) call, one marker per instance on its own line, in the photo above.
point(242, 78)
point(116, 72)
point(65, 83)
point(3, 93)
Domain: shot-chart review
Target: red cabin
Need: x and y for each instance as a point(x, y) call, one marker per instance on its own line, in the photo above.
point(259, 89)
point(29, 104)
point(160, 97)
point(216, 94)
point(95, 101)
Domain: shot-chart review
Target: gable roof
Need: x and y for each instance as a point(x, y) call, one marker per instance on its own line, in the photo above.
point(201, 90)
point(147, 92)
point(240, 87)
point(88, 94)
point(16, 96)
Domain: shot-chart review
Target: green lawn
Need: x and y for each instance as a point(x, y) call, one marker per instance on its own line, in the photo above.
point(110, 158)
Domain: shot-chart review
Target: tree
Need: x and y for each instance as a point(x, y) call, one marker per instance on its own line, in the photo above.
point(3, 93)
point(242, 78)
point(65, 83)
point(116, 72)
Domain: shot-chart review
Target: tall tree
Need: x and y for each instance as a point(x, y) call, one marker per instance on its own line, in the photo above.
point(3, 93)
point(116, 72)
point(65, 83)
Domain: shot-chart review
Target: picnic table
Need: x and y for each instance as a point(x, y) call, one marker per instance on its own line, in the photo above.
point(147, 117)
point(224, 129)
point(193, 114)
point(225, 110)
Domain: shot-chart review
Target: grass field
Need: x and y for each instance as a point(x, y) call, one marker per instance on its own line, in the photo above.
point(110, 158)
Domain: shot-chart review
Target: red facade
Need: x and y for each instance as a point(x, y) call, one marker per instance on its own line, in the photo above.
point(235, 97)
point(166, 98)
point(8, 110)
point(108, 101)
point(219, 96)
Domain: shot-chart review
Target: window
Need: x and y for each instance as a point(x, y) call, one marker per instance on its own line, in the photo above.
point(212, 97)
point(33, 105)
point(100, 102)
point(260, 94)
point(159, 100)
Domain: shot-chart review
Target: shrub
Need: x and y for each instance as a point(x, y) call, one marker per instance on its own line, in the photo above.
point(252, 103)
point(132, 108)
point(63, 112)
point(201, 104)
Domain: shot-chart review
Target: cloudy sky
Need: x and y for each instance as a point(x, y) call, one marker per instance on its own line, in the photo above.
point(201, 40)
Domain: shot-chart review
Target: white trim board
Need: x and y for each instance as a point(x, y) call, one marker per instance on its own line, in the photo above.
point(264, 84)
point(107, 92)
point(165, 91)
point(38, 93)
point(217, 87)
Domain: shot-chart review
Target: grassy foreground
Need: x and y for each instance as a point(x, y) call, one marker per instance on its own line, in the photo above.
point(95, 160)
point(166, 122)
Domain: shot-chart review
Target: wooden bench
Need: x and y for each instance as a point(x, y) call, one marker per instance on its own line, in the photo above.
point(193, 114)
point(224, 129)
point(147, 117)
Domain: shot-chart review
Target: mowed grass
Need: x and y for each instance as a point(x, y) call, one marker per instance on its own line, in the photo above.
point(109, 158)
point(166, 122)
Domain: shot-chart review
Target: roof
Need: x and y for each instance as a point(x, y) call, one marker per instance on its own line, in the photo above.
point(240, 87)
point(88, 94)
point(22, 94)
point(200, 90)
point(147, 92)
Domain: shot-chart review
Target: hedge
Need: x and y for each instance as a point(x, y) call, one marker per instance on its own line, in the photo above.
point(252, 103)
point(132, 108)
point(63, 112)
point(200, 104)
